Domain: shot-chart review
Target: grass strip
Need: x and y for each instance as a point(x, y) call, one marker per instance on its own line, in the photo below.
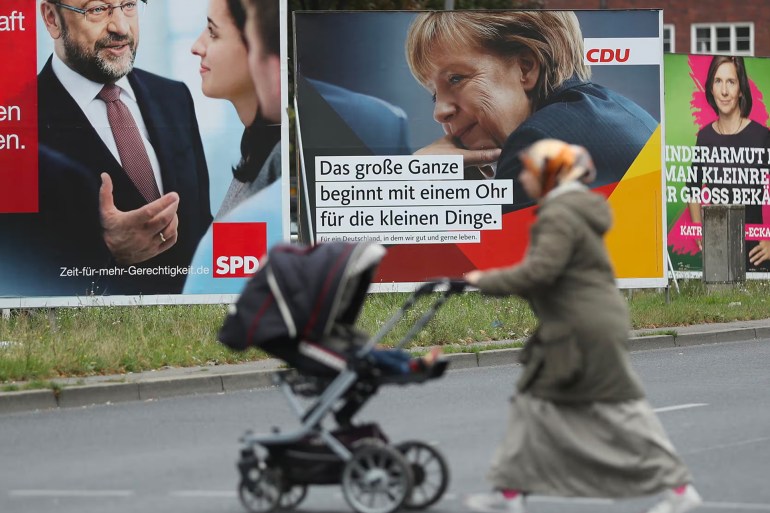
point(40, 345)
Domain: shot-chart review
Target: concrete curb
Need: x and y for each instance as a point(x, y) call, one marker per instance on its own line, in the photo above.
point(462, 360)
point(101, 393)
point(651, 342)
point(495, 357)
point(178, 382)
point(12, 402)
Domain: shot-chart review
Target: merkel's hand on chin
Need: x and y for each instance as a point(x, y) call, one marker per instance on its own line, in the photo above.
point(478, 172)
point(447, 146)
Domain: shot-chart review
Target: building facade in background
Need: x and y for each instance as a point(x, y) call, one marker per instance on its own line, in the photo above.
point(727, 27)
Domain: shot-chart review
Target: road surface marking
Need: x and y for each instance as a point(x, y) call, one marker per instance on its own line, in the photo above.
point(71, 493)
point(722, 506)
point(572, 500)
point(181, 494)
point(728, 446)
point(679, 407)
point(203, 494)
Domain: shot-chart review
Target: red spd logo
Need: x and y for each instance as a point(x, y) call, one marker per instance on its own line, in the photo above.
point(238, 248)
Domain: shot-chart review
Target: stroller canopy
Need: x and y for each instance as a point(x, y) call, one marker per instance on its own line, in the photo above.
point(300, 294)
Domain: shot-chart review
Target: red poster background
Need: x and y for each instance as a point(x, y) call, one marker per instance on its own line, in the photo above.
point(18, 88)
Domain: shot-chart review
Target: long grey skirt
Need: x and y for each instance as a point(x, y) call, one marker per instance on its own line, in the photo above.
point(616, 450)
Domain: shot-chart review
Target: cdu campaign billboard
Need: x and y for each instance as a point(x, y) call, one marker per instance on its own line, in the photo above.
point(139, 162)
point(409, 126)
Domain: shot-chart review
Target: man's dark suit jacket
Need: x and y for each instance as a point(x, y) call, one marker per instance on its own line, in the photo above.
point(611, 127)
point(40, 251)
point(169, 114)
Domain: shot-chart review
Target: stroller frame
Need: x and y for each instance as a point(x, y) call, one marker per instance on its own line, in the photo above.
point(375, 476)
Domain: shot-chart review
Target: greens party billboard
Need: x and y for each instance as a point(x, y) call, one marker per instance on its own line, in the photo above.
point(717, 144)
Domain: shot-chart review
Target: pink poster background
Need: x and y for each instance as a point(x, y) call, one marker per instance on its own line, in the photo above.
point(703, 114)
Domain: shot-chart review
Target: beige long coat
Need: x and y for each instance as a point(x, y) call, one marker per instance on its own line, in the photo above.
point(580, 426)
point(578, 353)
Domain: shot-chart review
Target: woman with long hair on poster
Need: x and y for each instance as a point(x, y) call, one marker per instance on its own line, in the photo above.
point(728, 93)
point(254, 196)
point(225, 74)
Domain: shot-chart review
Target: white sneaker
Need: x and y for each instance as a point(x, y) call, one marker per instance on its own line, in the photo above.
point(678, 503)
point(495, 502)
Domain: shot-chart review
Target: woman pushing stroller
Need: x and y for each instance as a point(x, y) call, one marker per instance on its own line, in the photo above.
point(580, 425)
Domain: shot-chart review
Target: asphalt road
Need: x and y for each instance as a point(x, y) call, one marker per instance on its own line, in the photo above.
point(178, 454)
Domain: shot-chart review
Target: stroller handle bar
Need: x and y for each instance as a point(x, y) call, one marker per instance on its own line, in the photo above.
point(448, 287)
point(453, 287)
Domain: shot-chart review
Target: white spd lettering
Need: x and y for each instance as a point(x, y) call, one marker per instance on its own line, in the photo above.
point(234, 264)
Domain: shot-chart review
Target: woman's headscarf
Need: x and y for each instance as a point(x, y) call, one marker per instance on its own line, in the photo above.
point(554, 161)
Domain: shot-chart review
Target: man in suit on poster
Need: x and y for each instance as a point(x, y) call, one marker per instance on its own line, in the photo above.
point(36, 246)
point(137, 135)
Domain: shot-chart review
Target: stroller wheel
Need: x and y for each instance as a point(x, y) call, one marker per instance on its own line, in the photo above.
point(430, 471)
point(378, 479)
point(261, 492)
point(290, 498)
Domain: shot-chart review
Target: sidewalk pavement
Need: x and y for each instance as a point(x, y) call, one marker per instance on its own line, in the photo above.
point(171, 382)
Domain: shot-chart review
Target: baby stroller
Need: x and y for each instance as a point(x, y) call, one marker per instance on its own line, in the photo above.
point(301, 306)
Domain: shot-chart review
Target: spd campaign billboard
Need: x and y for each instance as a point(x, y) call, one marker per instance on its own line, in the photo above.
point(409, 126)
point(717, 153)
point(139, 164)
